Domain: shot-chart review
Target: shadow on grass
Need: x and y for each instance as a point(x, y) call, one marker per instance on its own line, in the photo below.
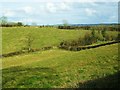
point(21, 69)
point(22, 77)
point(111, 81)
point(45, 77)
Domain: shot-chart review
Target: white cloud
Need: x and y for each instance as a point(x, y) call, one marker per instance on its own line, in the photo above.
point(62, 10)
point(64, 6)
point(28, 9)
point(56, 7)
point(51, 7)
point(26, 20)
point(9, 13)
point(90, 12)
point(29, 20)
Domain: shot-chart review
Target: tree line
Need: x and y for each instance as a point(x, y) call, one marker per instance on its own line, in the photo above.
point(4, 22)
point(111, 27)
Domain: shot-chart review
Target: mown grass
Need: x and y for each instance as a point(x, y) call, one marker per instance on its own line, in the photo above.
point(59, 68)
point(13, 38)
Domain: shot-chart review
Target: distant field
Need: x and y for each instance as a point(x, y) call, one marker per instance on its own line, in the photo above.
point(13, 37)
point(60, 68)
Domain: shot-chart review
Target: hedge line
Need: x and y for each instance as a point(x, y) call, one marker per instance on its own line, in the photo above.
point(71, 48)
point(78, 48)
point(23, 52)
point(109, 27)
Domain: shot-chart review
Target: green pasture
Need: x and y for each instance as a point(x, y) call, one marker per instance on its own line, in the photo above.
point(13, 38)
point(57, 68)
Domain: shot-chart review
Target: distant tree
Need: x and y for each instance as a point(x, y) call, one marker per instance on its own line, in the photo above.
point(99, 32)
point(101, 27)
point(65, 23)
point(19, 24)
point(3, 20)
point(118, 37)
point(27, 42)
point(99, 36)
point(108, 37)
point(87, 39)
point(103, 32)
point(93, 33)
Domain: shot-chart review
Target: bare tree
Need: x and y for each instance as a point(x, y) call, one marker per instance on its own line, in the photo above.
point(27, 42)
point(3, 20)
point(65, 23)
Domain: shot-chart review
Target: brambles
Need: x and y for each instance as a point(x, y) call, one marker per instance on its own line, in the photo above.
point(99, 36)
point(118, 37)
point(88, 39)
point(103, 32)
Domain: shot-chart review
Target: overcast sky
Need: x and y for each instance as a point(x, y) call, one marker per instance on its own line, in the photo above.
point(55, 12)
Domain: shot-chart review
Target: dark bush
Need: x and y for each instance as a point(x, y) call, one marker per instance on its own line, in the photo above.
point(80, 41)
point(118, 37)
point(108, 37)
point(99, 37)
point(73, 43)
point(103, 32)
point(88, 39)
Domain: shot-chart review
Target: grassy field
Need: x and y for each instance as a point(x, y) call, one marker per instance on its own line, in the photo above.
point(57, 68)
point(42, 37)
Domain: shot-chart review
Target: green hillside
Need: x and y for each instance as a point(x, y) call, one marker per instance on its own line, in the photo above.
point(13, 38)
point(59, 68)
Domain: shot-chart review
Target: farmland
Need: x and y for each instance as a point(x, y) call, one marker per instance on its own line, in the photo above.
point(59, 44)
point(57, 68)
point(42, 37)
